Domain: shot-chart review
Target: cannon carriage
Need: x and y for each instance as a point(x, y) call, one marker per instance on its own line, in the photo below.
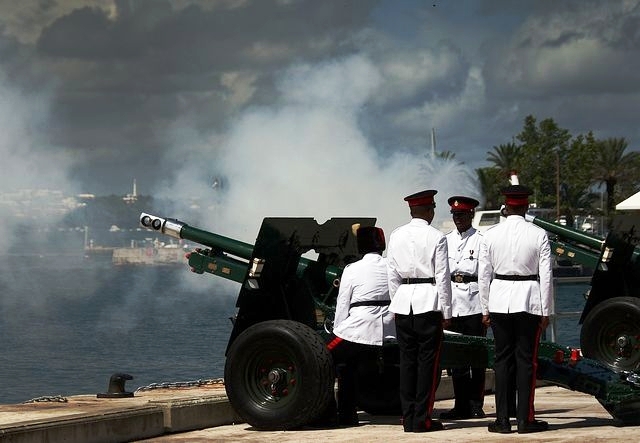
point(279, 373)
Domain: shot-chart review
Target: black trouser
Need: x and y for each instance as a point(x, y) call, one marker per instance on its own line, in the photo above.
point(517, 338)
point(419, 341)
point(468, 383)
point(346, 356)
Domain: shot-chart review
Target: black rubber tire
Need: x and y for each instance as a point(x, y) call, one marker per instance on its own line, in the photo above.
point(294, 352)
point(611, 333)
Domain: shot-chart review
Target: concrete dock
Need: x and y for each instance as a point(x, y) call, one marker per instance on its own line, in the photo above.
point(203, 413)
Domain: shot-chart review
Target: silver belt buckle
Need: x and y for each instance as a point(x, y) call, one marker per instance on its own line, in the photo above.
point(458, 278)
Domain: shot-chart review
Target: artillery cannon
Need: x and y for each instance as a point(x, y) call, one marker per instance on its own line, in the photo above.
point(278, 371)
point(611, 316)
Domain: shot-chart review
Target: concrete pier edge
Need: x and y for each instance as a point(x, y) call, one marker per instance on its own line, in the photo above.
point(146, 415)
point(115, 420)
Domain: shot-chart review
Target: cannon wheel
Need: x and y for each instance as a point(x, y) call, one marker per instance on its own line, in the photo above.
point(611, 333)
point(279, 375)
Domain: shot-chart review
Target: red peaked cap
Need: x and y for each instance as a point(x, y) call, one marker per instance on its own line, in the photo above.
point(459, 203)
point(370, 239)
point(516, 195)
point(424, 198)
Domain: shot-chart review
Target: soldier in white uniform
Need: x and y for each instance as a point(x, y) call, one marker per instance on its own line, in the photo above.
point(420, 290)
point(514, 278)
point(362, 318)
point(464, 248)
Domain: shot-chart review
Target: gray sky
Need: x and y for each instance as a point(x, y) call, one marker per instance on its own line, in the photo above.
point(314, 102)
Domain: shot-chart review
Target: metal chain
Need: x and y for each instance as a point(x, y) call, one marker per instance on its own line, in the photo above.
point(48, 398)
point(163, 385)
point(181, 384)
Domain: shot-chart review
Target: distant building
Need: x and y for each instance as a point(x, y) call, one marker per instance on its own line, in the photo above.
point(133, 197)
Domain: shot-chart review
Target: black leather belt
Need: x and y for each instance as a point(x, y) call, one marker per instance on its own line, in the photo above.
point(461, 278)
point(370, 303)
point(516, 277)
point(415, 281)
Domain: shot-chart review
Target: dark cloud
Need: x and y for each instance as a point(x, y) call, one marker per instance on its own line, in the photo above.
point(567, 53)
point(84, 33)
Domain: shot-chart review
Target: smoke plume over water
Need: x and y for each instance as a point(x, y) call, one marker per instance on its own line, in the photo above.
point(29, 163)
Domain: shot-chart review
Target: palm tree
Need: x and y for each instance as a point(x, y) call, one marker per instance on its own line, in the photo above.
point(446, 155)
point(614, 166)
point(506, 158)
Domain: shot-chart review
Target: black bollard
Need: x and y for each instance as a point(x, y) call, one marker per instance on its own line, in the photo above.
point(116, 387)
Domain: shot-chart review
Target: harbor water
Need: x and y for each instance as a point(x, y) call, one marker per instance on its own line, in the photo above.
point(68, 323)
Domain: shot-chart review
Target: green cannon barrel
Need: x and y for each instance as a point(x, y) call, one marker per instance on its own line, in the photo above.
point(218, 263)
point(177, 229)
point(566, 233)
point(571, 244)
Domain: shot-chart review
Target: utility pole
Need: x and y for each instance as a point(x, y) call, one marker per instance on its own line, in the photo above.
point(557, 186)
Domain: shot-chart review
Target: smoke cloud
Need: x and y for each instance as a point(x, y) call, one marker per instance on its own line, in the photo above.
point(308, 156)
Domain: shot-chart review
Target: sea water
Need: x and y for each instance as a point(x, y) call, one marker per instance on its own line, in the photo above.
point(67, 323)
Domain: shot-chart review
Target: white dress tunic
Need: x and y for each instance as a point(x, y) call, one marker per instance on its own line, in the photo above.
point(524, 250)
point(409, 257)
point(364, 281)
point(464, 250)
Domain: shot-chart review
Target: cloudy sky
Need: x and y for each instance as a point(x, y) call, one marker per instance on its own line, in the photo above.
point(324, 104)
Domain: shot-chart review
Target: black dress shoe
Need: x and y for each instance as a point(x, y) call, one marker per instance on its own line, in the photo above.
point(347, 419)
point(407, 424)
point(526, 427)
point(434, 425)
point(454, 414)
point(348, 423)
point(477, 412)
point(501, 426)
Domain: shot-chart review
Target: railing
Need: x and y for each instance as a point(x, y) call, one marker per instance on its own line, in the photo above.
point(564, 314)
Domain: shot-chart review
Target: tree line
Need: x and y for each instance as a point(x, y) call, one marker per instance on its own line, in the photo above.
point(576, 175)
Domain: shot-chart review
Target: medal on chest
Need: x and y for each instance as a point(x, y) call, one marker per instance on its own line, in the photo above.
point(471, 254)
